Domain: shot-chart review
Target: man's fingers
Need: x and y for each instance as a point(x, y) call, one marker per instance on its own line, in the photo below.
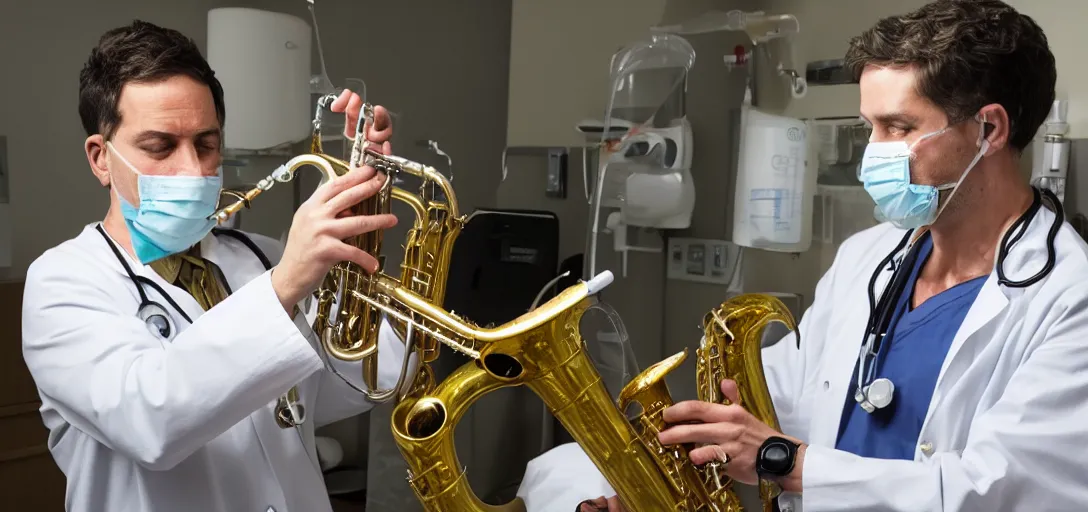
point(709, 453)
point(347, 227)
point(593, 505)
point(331, 189)
point(357, 256)
point(731, 391)
point(341, 101)
point(694, 410)
point(382, 129)
point(700, 433)
point(614, 504)
point(357, 193)
point(352, 115)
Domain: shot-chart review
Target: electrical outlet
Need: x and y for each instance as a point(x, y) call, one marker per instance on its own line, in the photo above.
point(702, 260)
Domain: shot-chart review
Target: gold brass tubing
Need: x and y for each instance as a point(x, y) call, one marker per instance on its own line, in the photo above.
point(411, 200)
point(425, 172)
point(531, 320)
point(317, 161)
point(285, 173)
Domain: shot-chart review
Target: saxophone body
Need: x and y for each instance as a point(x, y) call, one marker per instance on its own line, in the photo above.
point(543, 350)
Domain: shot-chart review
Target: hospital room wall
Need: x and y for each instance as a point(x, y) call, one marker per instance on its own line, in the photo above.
point(826, 27)
point(46, 42)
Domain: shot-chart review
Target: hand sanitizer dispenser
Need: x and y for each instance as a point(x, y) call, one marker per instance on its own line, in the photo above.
point(1050, 152)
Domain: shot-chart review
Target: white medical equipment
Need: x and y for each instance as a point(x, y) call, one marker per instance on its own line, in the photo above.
point(763, 30)
point(776, 183)
point(1050, 151)
point(645, 173)
point(262, 59)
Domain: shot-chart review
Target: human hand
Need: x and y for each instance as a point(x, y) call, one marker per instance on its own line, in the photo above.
point(379, 133)
point(601, 504)
point(315, 241)
point(724, 432)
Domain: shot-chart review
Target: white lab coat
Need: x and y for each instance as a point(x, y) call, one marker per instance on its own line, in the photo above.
point(1008, 422)
point(138, 424)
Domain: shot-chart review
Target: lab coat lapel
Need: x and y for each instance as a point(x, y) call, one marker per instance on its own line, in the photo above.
point(844, 339)
point(989, 303)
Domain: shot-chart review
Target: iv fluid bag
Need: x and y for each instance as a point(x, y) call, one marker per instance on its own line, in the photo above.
point(775, 184)
point(608, 346)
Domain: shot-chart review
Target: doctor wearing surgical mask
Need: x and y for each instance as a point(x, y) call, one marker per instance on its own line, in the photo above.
point(175, 363)
point(943, 363)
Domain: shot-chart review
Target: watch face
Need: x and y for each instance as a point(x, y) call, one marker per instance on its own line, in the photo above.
point(776, 457)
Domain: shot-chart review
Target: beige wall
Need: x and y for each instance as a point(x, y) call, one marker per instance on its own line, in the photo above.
point(826, 28)
point(53, 193)
point(559, 57)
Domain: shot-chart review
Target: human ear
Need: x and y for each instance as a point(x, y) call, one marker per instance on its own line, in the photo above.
point(95, 147)
point(995, 126)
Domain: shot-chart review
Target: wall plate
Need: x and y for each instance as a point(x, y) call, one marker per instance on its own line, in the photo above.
point(702, 260)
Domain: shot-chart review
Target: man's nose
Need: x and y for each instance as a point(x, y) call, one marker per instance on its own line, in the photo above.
point(187, 162)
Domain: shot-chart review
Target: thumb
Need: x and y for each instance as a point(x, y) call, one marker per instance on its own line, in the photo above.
point(731, 391)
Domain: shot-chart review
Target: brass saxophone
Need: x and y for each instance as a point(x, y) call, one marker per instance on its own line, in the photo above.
point(730, 349)
point(349, 306)
point(544, 350)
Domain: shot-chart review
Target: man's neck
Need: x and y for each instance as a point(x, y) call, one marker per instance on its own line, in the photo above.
point(114, 224)
point(964, 245)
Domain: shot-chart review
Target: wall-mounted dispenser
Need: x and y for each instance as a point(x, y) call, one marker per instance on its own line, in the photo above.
point(644, 171)
point(1050, 151)
point(649, 177)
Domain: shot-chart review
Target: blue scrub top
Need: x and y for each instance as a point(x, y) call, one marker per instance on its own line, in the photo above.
point(911, 357)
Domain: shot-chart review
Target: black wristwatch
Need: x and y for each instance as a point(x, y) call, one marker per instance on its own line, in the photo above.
point(776, 457)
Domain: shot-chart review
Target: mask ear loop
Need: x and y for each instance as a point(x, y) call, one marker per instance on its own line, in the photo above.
point(116, 190)
point(983, 145)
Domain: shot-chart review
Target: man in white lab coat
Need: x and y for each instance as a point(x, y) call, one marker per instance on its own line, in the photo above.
point(977, 396)
point(174, 368)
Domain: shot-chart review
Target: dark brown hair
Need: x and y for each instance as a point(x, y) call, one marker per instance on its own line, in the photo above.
point(140, 53)
point(969, 54)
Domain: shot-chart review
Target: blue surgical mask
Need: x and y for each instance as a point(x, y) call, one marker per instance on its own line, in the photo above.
point(173, 212)
point(885, 172)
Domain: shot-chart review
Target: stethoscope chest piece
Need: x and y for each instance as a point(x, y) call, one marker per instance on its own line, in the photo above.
point(290, 412)
point(877, 395)
point(157, 319)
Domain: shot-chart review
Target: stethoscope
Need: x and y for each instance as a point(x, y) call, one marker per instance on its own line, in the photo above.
point(289, 410)
point(877, 393)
